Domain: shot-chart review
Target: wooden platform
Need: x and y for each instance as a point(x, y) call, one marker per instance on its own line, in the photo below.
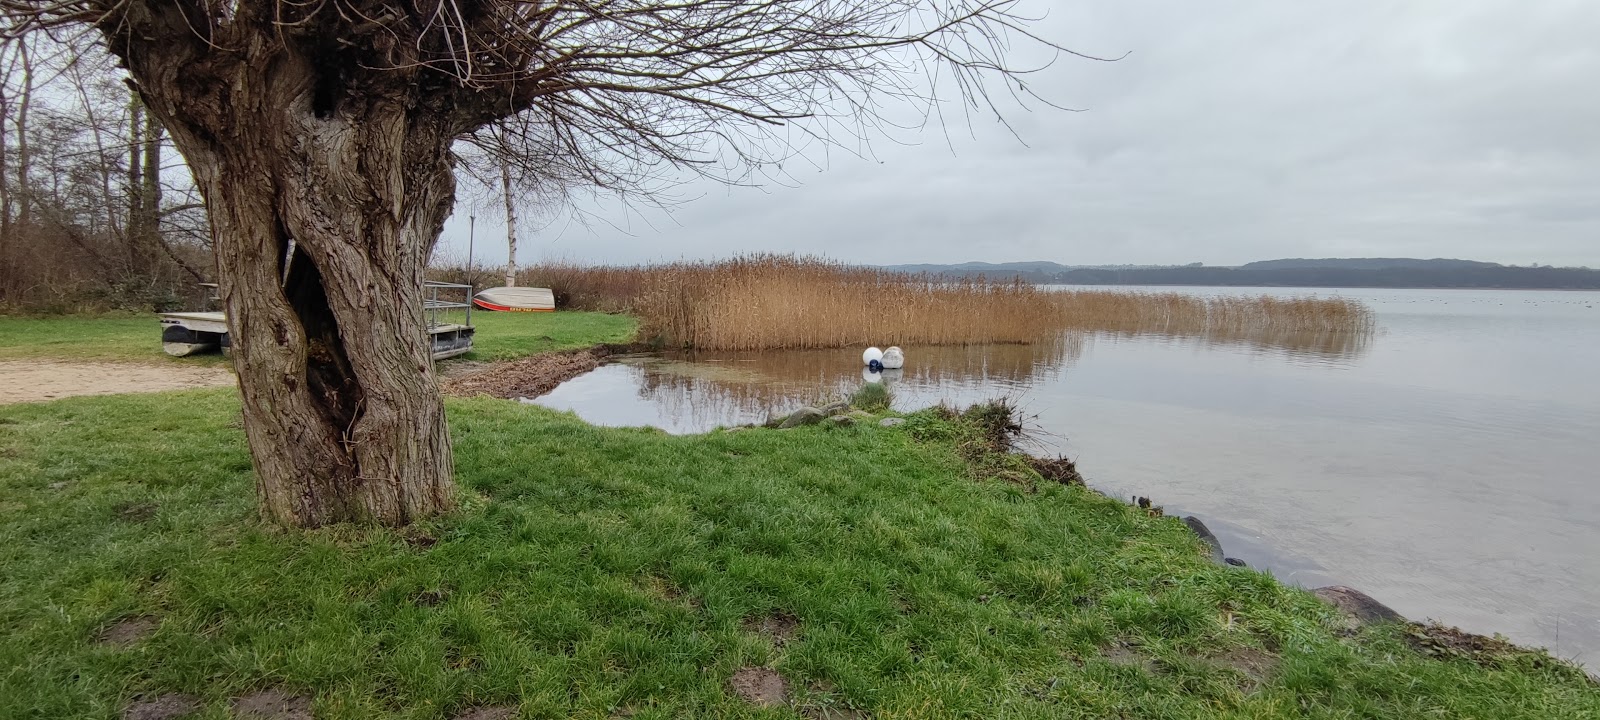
point(451, 340)
point(188, 333)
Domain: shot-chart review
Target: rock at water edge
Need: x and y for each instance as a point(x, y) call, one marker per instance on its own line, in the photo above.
point(803, 416)
point(1360, 607)
point(1205, 534)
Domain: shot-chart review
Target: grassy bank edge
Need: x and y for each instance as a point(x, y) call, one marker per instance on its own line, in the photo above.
point(603, 570)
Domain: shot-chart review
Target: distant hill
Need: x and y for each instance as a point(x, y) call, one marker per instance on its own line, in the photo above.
point(983, 268)
point(1001, 269)
point(1293, 272)
point(1367, 264)
point(1036, 271)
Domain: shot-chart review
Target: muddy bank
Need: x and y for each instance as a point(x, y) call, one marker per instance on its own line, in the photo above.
point(40, 380)
point(529, 377)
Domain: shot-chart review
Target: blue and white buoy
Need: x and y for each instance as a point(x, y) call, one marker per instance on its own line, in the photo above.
point(873, 359)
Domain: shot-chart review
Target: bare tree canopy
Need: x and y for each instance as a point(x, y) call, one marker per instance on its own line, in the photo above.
point(321, 131)
point(608, 86)
point(92, 211)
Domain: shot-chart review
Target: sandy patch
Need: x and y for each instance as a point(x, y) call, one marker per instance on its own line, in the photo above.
point(161, 707)
point(127, 632)
point(40, 380)
point(759, 686)
point(779, 629)
point(272, 705)
point(495, 712)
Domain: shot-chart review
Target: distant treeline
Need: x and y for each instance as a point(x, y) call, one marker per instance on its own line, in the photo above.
point(1333, 272)
point(1529, 278)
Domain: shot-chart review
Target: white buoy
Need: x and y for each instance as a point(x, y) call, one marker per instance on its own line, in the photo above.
point(871, 356)
point(894, 359)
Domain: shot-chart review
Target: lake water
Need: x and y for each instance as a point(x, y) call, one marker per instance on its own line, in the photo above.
point(1448, 464)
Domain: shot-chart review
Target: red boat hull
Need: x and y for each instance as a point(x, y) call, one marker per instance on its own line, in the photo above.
point(485, 304)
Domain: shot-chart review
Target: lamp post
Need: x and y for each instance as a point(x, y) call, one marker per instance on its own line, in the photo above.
point(472, 227)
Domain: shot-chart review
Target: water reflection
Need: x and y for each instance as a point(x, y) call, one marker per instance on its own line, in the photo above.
point(695, 392)
point(1301, 346)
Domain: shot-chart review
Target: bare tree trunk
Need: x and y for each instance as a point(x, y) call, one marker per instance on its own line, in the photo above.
point(134, 232)
point(145, 193)
point(341, 406)
point(24, 157)
point(5, 184)
point(150, 192)
point(511, 225)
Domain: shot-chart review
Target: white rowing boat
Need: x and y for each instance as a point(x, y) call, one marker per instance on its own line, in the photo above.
point(516, 299)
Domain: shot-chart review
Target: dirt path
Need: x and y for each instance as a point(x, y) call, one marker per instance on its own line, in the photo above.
point(37, 380)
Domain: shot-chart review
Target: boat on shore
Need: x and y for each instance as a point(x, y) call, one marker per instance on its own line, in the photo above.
point(516, 299)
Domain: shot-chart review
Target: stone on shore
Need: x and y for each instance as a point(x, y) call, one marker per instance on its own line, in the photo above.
point(1205, 534)
point(1357, 606)
point(803, 416)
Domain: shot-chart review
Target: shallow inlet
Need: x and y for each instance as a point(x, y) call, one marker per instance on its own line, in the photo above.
point(1445, 464)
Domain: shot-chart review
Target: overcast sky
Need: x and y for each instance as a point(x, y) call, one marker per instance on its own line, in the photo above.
point(1233, 131)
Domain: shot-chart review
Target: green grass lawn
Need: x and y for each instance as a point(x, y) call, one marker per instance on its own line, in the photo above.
point(137, 338)
point(507, 336)
point(120, 338)
point(604, 573)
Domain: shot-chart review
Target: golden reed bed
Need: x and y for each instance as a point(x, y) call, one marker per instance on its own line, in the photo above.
point(784, 302)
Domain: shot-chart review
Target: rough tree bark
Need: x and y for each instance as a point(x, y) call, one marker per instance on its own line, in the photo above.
point(341, 405)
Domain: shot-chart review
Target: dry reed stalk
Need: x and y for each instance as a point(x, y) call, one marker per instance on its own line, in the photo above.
point(788, 302)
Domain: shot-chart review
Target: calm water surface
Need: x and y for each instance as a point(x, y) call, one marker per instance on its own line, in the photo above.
point(1449, 464)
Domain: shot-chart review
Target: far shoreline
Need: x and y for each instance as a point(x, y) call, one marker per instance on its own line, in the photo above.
point(1319, 287)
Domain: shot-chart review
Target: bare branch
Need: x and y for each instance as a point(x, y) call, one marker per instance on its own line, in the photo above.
point(616, 94)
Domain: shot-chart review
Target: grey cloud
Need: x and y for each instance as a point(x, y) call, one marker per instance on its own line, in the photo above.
point(1234, 131)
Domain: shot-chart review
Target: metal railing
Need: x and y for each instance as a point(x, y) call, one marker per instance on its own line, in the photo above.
point(433, 305)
